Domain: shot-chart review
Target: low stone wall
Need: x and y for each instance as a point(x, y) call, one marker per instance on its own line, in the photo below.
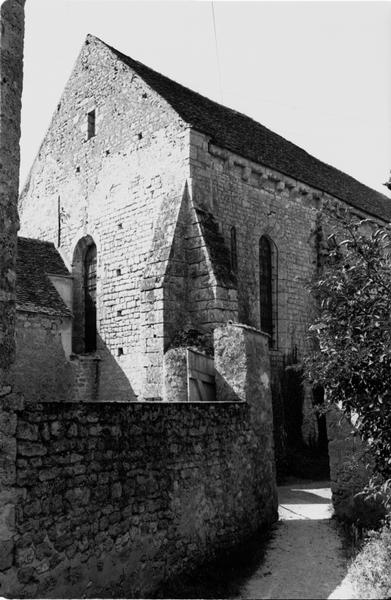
point(110, 499)
point(117, 498)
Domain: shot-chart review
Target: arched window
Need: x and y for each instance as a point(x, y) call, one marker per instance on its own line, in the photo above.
point(234, 251)
point(267, 288)
point(84, 296)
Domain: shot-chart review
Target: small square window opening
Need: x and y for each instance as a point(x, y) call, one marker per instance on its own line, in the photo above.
point(91, 124)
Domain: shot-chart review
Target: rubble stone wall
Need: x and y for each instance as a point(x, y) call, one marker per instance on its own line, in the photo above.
point(117, 498)
point(112, 499)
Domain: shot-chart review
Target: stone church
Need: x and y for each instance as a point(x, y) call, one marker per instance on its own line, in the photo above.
point(166, 242)
point(174, 214)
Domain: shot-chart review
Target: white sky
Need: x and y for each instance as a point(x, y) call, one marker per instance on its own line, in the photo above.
point(317, 73)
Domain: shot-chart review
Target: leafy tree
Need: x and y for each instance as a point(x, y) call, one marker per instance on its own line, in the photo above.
point(352, 332)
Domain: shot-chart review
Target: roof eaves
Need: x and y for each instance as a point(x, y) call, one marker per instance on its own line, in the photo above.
point(35, 308)
point(318, 188)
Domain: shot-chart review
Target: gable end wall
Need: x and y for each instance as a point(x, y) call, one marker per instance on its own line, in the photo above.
point(117, 187)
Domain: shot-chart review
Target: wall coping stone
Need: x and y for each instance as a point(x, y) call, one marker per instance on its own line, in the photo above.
point(246, 327)
point(106, 403)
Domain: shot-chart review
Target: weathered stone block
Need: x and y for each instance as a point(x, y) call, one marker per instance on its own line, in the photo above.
point(6, 554)
point(27, 431)
point(49, 474)
point(7, 422)
point(78, 496)
point(27, 575)
point(24, 556)
point(31, 449)
point(116, 490)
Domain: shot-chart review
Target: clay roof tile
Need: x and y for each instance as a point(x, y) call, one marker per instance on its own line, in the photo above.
point(36, 260)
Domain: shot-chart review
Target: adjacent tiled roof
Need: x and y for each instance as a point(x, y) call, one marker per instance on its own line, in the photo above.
point(34, 290)
point(244, 136)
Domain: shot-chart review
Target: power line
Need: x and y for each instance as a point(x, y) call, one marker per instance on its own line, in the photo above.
point(217, 52)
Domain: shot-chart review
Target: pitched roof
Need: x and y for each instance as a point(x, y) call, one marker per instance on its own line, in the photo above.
point(34, 290)
point(244, 136)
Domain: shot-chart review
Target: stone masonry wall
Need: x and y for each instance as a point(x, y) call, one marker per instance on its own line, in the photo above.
point(199, 288)
point(11, 72)
point(40, 371)
point(111, 499)
point(259, 201)
point(43, 373)
point(117, 498)
point(123, 187)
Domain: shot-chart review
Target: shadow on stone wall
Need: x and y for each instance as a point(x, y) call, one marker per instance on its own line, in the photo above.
point(113, 383)
point(225, 576)
point(42, 373)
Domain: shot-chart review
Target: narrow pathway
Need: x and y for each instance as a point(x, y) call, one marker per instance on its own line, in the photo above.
point(305, 557)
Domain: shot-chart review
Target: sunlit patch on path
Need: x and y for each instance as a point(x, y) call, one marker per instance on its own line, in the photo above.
point(305, 503)
point(304, 558)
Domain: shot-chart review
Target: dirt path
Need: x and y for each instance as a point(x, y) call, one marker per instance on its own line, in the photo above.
point(304, 558)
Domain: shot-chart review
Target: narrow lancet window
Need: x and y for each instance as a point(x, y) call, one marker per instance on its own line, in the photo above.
point(266, 288)
point(84, 272)
point(234, 251)
point(58, 221)
point(90, 298)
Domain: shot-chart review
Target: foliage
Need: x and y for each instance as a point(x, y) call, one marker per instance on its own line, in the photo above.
point(370, 571)
point(192, 338)
point(378, 492)
point(351, 355)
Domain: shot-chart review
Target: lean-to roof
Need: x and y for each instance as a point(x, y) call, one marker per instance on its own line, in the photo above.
point(36, 260)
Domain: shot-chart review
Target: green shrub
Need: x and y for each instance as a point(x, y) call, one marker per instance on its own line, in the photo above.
point(351, 357)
